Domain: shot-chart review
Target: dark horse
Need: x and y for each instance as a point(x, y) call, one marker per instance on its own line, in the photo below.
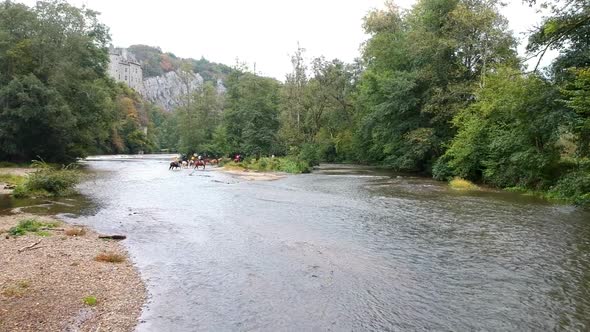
point(199, 163)
point(173, 165)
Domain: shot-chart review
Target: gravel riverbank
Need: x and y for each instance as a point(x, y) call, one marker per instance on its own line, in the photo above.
point(48, 281)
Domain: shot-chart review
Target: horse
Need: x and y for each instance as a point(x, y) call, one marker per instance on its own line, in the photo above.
point(173, 165)
point(184, 164)
point(199, 163)
point(212, 161)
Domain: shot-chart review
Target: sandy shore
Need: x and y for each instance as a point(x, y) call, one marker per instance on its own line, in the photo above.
point(43, 288)
point(245, 174)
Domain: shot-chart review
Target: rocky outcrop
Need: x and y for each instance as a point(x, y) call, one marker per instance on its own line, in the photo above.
point(167, 90)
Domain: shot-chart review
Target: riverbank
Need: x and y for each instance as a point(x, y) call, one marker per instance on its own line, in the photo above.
point(10, 176)
point(52, 279)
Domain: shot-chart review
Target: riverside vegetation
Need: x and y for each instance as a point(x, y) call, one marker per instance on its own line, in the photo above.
point(438, 90)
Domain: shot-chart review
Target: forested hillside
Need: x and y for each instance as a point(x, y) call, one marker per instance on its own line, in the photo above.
point(156, 63)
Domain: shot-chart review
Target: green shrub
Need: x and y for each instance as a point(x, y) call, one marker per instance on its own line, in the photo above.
point(48, 181)
point(310, 153)
point(294, 165)
point(441, 170)
point(573, 187)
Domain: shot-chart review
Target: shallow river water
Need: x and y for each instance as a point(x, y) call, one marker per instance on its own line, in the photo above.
point(344, 248)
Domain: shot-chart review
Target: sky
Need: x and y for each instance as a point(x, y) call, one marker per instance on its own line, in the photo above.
point(260, 32)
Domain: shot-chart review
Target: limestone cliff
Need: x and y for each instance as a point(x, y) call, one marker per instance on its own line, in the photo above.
point(167, 90)
point(164, 84)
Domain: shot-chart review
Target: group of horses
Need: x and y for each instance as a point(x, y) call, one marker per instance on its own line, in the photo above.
point(193, 163)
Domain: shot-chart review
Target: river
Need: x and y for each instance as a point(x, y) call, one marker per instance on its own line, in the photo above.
point(344, 248)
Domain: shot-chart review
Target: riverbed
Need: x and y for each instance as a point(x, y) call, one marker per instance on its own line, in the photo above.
point(342, 248)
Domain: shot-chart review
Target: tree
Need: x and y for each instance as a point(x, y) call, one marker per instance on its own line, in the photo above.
point(55, 55)
point(422, 67)
point(508, 137)
point(294, 105)
point(251, 117)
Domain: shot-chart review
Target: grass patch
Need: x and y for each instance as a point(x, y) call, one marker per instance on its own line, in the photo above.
point(462, 184)
point(31, 226)
point(75, 232)
point(109, 257)
point(12, 179)
point(90, 301)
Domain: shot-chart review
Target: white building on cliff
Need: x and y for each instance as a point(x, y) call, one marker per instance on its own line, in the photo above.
point(123, 67)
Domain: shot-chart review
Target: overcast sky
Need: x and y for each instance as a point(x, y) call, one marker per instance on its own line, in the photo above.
point(264, 32)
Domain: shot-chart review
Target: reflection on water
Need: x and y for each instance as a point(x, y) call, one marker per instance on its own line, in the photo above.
point(343, 248)
point(75, 205)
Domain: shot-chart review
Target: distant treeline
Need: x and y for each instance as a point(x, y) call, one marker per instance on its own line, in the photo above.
point(439, 90)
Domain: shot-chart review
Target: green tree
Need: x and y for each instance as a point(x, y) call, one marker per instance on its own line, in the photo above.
point(55, 55)
point(508, 137)
point(422, 67)
point(251, 117)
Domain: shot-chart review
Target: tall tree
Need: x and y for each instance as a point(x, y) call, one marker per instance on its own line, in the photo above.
point(251, 117)
point(422, 67)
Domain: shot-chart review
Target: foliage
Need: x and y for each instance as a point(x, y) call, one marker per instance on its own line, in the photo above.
point(577, 97)
point(422, 67)
point(57, 101)
point(508, 136)
point(285, 164)
point(566, 30)
point(53, 88)
point(197, 119)
point(49, 181)
point(155, 63)
point(250, 119)
point(30, 226)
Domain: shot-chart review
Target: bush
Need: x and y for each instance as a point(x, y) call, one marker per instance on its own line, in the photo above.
point(310, 153)
point(573, 188)
point(441, 170)
point(48, 181)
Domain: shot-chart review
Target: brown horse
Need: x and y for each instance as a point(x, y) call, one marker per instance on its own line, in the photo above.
point(173, 165)
point(199, 163)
